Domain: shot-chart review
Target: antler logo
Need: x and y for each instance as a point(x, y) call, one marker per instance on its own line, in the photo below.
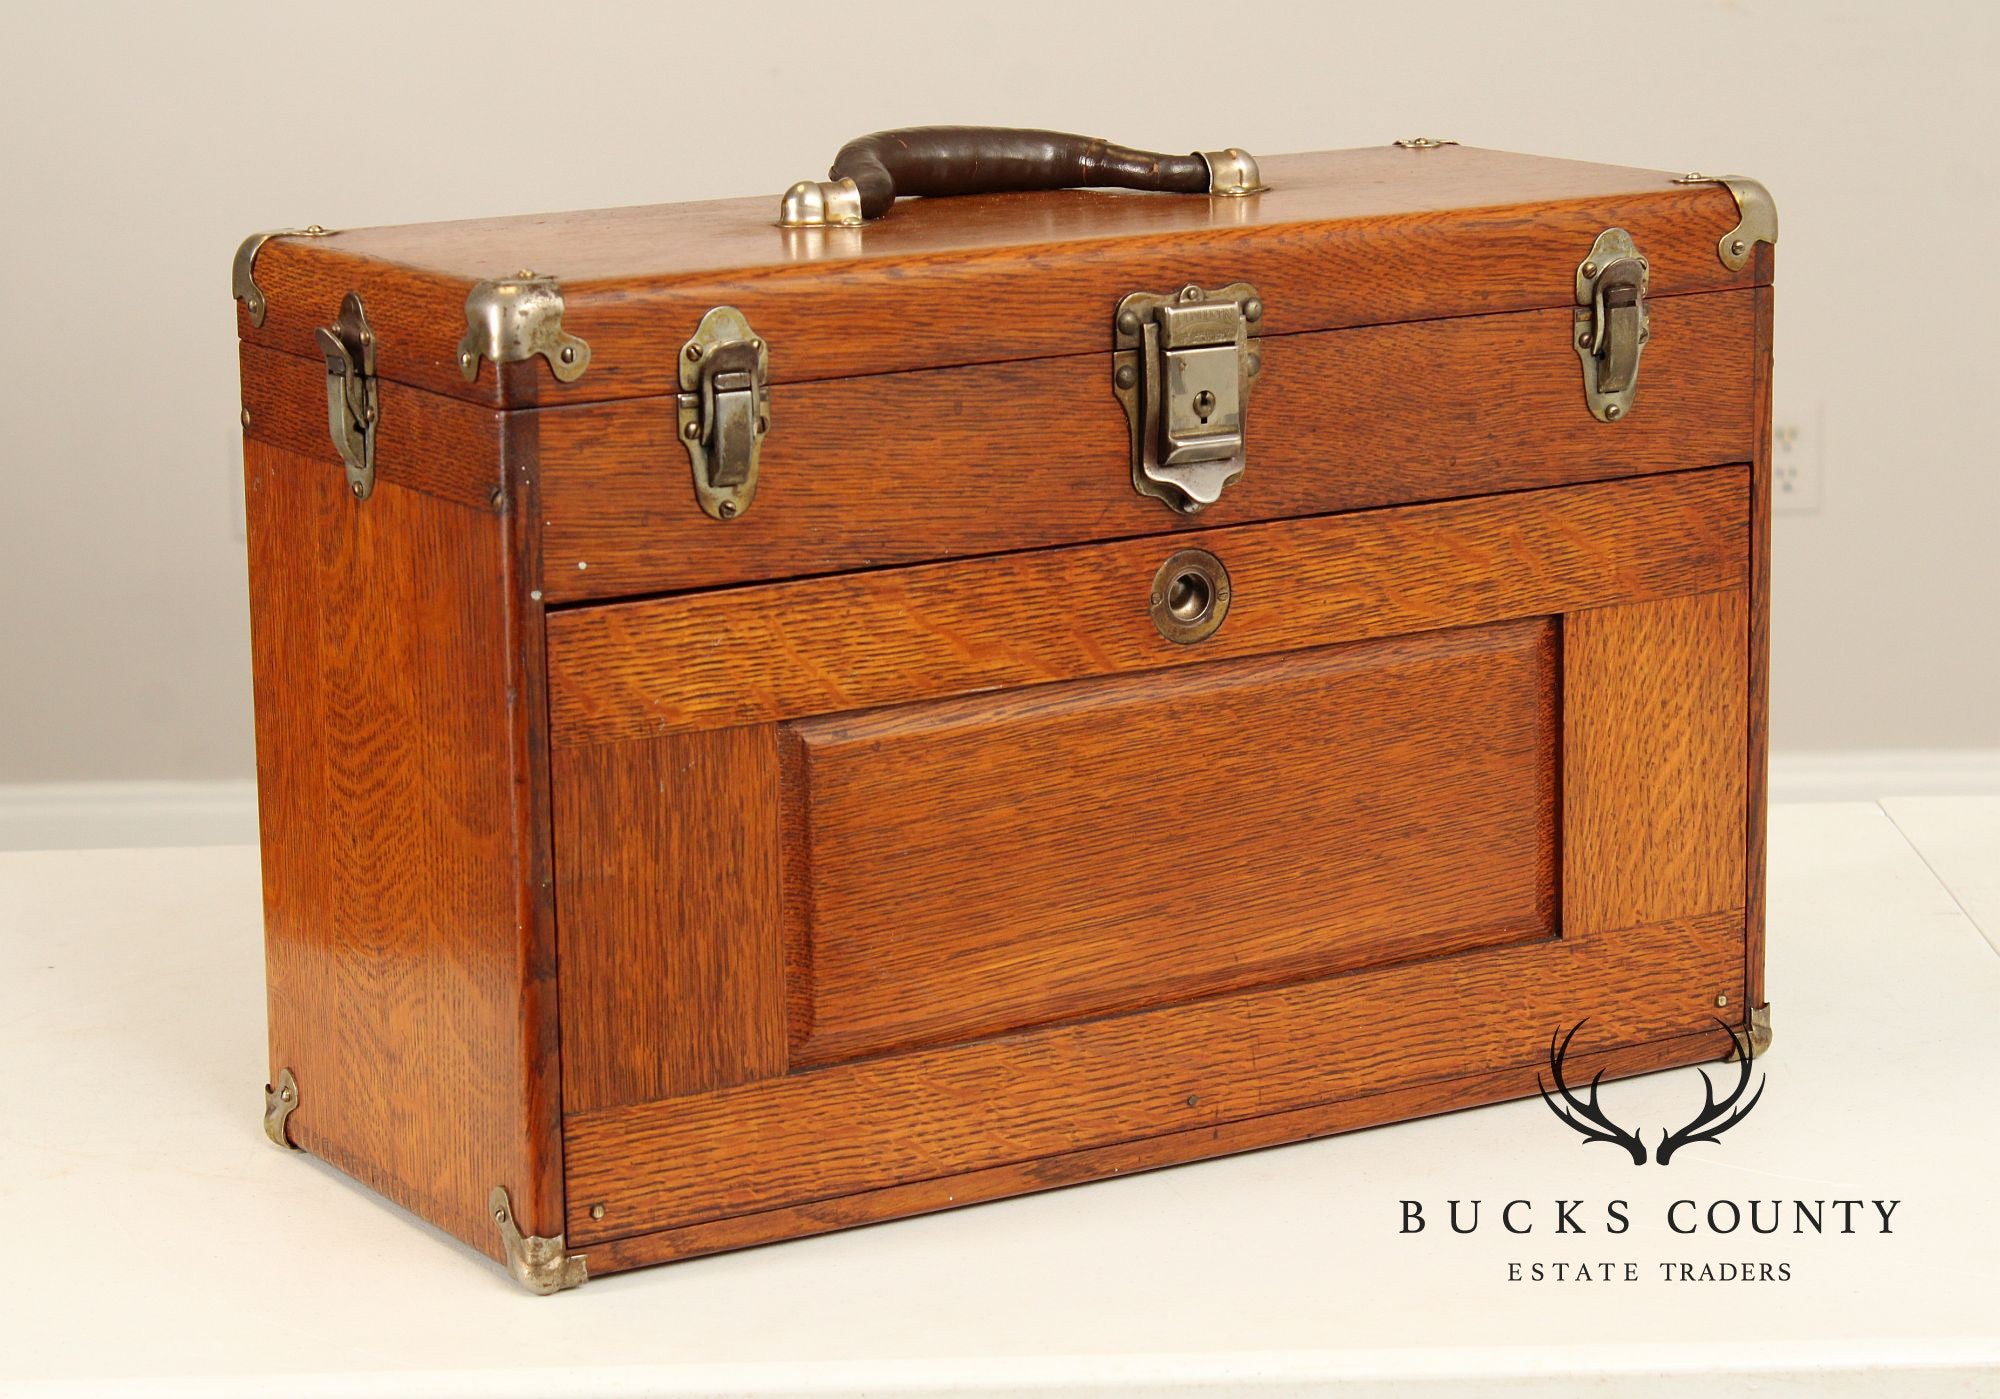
point(1591, 1122)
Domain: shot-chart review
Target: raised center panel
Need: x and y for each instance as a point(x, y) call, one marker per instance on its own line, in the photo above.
point(962, 868)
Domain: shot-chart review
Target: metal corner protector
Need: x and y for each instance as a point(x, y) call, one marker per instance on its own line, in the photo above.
point(511, 319)
point(542, 1265)
point(1756, 216)
point(279, 1102)
point(1760, 1034)
point(243, 271)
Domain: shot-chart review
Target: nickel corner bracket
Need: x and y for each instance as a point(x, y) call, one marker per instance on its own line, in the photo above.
point(542, 1265)
point(1756, 216)
point(280, 1099)
point(243, 272)
point(511, 319)
point(1759, 1030)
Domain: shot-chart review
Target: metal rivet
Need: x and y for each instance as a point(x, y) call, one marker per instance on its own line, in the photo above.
point(500, 1216)
point(315, 231)
point(1256, 363)
point(1722, 1000)
point(495, 496)
point(1583, 340)
point(246, 417)
point(693, 353)
point(1253, 310)
point(1128, 322)
point(1614, 412)
point(355, 486)
point(525, 273)
point(727, 509)
point(581, 565)
point(1126, 376)
point(1193, 1098)
point(286, 1094)
point(569, 354)
point(597, 1211)
point(1737, 247)
point(1192, 293)
point(755, 343)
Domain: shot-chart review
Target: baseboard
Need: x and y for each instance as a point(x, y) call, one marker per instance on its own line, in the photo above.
point(97, 815)
point(1871, 774)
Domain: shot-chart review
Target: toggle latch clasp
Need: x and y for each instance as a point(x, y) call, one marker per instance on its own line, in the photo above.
point(352, 402)
point(1182, 366)
point(1611, 323)
point(724, 410)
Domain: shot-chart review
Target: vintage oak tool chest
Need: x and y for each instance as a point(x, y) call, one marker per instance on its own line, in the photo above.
point(782, 713)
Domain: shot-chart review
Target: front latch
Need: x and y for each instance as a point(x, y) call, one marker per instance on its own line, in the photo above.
point(1182, 366)
point(352, 405)
point(1611, 323)
point(724, 410)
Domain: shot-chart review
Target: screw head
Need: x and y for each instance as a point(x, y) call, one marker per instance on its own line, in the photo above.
point(1722, 1000)
point(1737, 247)
point(694, 354)
point(355, 486)
point(690, 429)
point(569, 354)
point(1590, 269)
point(246, 417)
point(524, 274)
point(1193, 1098)
point(1614, 412)
point(1583, 340)
point(597, 1211)
point(285, 1094)
point(727, 509)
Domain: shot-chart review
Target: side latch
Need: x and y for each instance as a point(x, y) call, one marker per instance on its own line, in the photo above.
point(352, 404)
point(1612, 323)
point(724, 410)
point(1182, 366)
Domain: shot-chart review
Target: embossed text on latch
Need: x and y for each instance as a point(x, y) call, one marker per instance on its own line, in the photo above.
point(1182, 366)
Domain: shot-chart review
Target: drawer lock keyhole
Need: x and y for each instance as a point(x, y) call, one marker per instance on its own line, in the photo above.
point(1190, 596)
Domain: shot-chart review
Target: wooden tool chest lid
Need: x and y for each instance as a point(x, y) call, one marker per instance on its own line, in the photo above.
point(1340, 238)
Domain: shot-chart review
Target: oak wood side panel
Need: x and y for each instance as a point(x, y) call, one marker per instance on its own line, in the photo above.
point(1342, 238)
point(996, 862)
point(1758, 746)
point(1656, 714)
point(402, 945)
point(791, 650)
point(897, 468)
point(1141, 1154)
point(887, 1121)
point(668, 889)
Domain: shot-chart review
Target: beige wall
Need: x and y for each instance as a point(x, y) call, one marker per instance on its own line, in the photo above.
point(143, 141)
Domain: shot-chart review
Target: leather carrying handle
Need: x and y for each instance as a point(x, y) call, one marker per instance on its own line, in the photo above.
point(871, 173)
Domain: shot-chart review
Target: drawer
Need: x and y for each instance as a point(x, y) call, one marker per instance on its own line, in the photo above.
point(924, 873)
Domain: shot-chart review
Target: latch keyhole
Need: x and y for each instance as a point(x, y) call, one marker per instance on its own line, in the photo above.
point(1204, 404)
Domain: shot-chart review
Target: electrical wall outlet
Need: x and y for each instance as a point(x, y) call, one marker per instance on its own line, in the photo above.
point(1798, 461)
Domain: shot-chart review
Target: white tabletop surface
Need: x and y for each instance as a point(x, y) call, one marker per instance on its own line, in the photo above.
point(157, 1243)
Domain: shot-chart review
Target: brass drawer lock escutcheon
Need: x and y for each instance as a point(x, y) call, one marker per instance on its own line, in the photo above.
point(353, 401)
point(1612, 323)
point(724, 410)
point(1190, 596)
point(1182, 365)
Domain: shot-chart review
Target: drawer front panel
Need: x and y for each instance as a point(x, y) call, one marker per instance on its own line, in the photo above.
point(869, 880)
point(984, 864)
